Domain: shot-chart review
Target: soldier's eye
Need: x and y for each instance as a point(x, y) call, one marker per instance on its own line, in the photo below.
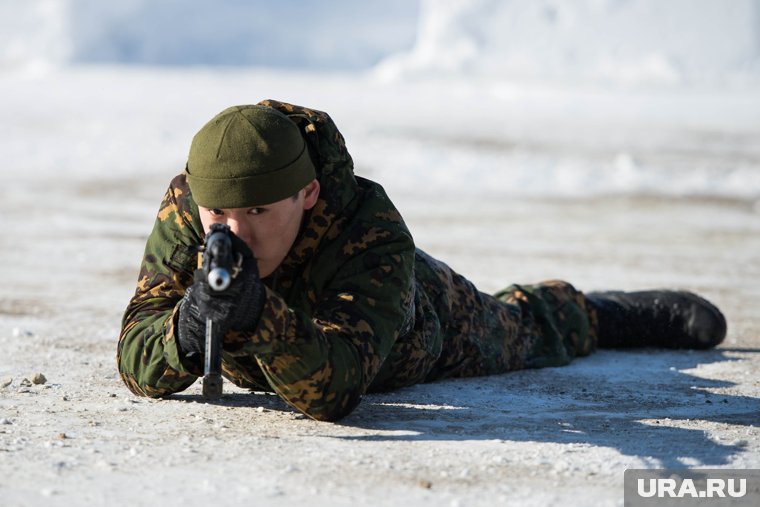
point(216, 212)
point(256, 211)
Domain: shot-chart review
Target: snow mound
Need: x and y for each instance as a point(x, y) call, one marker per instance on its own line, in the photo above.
point(622, 41)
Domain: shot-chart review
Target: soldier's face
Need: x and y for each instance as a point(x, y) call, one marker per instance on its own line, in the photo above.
point(269, 231)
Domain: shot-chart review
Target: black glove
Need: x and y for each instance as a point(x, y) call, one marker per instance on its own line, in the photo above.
point(236, 308)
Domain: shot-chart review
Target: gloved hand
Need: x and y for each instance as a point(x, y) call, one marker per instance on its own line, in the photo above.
point(236, 308)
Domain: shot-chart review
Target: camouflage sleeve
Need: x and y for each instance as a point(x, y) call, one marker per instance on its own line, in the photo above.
point(322, 363)
point(147, 355)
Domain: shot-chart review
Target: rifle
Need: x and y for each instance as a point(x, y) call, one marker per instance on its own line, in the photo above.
point(218, 268)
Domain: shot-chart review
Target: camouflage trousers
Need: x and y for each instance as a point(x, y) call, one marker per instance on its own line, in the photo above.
point(462, 332)
point(459, 331)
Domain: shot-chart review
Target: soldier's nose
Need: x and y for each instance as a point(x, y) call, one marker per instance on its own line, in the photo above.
point(235, 227)
point(241, 231)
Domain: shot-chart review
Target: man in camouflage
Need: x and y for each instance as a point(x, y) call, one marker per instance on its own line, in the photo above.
point(334, 300)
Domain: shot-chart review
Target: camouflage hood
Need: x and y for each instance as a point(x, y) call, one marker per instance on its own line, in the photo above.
point(327, 148)
point(335, 172)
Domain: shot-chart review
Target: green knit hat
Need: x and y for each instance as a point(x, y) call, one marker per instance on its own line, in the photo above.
point(247, 156)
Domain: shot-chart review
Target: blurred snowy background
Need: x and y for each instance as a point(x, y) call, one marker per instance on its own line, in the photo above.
point(622, 41)
point(519, 97)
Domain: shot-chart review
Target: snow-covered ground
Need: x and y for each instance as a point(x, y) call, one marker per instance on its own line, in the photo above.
point(622, 180)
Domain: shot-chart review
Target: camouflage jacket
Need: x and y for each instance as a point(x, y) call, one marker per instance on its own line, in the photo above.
point(335, 306)
point(353, 307)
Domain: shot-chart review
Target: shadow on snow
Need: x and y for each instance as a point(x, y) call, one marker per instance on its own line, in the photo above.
point(644, 403)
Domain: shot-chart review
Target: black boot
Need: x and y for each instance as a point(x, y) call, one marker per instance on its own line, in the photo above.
point(657, 318)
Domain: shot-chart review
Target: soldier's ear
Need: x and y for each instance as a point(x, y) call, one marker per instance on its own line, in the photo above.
point(311, 194)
